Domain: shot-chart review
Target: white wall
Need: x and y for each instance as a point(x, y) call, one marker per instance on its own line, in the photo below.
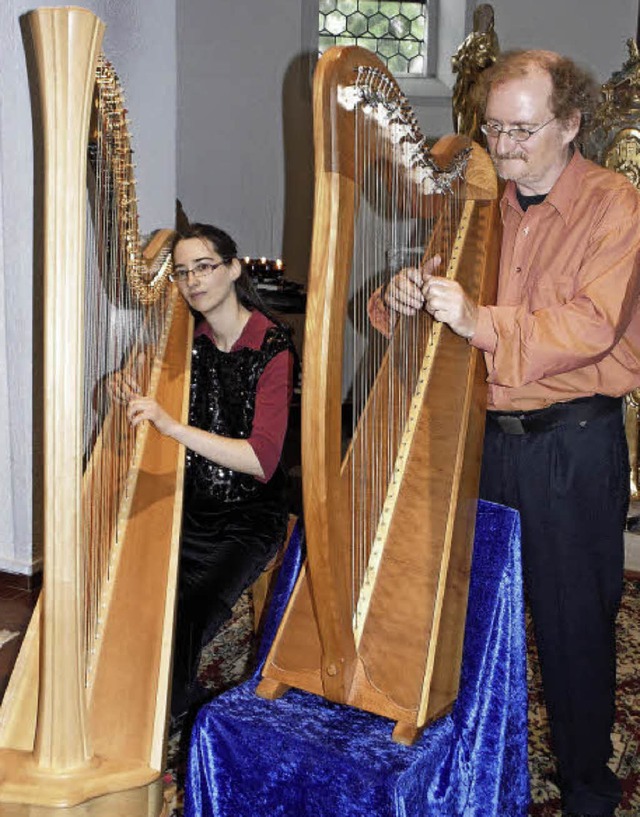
point(140, 41)
point(239, 63)
point(234, 78)
point(589, 31)
point(245, 156)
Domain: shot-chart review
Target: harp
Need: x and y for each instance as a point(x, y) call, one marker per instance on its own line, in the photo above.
point(83, 719)
point(377, 617)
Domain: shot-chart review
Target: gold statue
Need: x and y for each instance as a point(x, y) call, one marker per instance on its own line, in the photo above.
point(612, 139)
point(478, 51)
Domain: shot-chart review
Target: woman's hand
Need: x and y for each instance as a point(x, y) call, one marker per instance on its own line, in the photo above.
point(229, 452)
point(146, 408)
point(122, 386)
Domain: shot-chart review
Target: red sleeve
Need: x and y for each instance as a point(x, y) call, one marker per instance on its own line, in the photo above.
point(273, 396)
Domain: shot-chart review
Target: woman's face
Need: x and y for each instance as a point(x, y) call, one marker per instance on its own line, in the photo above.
point(209, 282)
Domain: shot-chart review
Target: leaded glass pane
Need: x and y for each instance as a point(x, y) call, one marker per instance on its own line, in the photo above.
point(416, 65)
point(388, 49)
point(326, 42)
point(412, 10)
point(417, 29)
point(394, 30)
point(409, 48)
point(399, 27)
point(357, 24)
point(369, 7)
point(348, 6)
point(398, 65)
point(379, 26)
point(336, 23)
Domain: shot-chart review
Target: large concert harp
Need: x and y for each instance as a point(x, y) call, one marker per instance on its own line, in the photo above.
point(83, 720)
point(377, 617)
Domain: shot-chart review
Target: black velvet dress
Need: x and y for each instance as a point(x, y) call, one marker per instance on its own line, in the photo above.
point(233, 524)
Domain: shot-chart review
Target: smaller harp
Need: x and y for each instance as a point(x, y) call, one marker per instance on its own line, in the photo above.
point(377, 617)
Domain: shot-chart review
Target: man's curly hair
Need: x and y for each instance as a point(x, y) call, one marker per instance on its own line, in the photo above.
point(573, 88)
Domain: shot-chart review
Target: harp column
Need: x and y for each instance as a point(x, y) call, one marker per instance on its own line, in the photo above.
point(66, 43)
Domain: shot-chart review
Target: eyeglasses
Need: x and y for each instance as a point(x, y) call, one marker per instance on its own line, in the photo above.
point(517, 134)
point(199, 270)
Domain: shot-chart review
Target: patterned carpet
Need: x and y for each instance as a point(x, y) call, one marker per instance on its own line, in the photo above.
point(228, 659)
point(626, 736)
point(226, 662)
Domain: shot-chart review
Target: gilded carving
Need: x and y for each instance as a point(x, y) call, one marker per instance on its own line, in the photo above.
point(479, 50)
point(612, 139)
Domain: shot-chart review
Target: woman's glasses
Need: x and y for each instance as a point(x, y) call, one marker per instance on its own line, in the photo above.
point(199, 270)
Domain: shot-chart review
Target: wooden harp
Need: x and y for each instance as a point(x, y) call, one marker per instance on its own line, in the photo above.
point(83, 720)
point(377, 617)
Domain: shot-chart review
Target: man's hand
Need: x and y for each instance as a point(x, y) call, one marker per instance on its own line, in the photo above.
point(413, 289)
point(449, 303)
point(405, 290)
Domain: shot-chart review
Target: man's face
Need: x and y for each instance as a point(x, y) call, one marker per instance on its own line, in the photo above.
point(534, 165)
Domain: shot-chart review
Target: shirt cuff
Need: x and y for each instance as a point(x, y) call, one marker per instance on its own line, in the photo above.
point(485, 337)
point(378, 313)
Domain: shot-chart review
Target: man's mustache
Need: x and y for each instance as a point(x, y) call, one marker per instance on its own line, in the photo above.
point(514, 155)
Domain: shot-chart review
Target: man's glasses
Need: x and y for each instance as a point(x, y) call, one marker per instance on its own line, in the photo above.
point(517, 134)
point(199, 270)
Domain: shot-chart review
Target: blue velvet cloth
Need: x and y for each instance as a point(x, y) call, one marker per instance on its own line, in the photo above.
point(302, 755)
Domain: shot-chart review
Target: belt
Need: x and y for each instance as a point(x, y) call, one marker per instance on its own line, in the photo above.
point(574, 412)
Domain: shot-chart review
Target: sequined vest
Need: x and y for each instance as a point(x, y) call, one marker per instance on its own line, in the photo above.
point(222, 401)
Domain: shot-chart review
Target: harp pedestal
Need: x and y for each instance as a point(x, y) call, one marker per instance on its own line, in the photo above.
point(305, 755)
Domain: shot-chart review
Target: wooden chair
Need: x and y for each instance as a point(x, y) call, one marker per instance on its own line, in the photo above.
point(262, 587)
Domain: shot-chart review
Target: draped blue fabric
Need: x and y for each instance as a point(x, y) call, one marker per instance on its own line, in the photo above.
point(302, 755)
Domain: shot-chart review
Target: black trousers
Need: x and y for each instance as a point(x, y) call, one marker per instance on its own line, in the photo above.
point(223, 550)
point(570, 484)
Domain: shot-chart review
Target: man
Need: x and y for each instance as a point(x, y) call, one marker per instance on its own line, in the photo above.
point(561, 347)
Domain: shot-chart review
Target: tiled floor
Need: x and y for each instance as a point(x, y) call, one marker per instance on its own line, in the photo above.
point(16, 604)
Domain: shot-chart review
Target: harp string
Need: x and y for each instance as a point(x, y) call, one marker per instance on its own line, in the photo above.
point(408, 210)
point(126, 319)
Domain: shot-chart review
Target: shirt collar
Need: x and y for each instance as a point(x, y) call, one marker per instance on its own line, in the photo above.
point(248, 335)
point(563, 193)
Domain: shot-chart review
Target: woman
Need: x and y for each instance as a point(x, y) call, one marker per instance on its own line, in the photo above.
point(235, 509)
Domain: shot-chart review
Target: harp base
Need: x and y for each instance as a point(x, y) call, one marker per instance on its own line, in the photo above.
point(271, 690)
point(406, 733)
point(101, 789)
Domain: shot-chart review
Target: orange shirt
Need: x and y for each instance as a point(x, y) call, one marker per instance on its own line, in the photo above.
point(566, 323)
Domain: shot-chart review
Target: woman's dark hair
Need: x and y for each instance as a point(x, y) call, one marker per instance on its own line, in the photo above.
point(227, 249)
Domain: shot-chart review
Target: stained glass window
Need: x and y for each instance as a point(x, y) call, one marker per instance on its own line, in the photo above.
point(395, 31)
